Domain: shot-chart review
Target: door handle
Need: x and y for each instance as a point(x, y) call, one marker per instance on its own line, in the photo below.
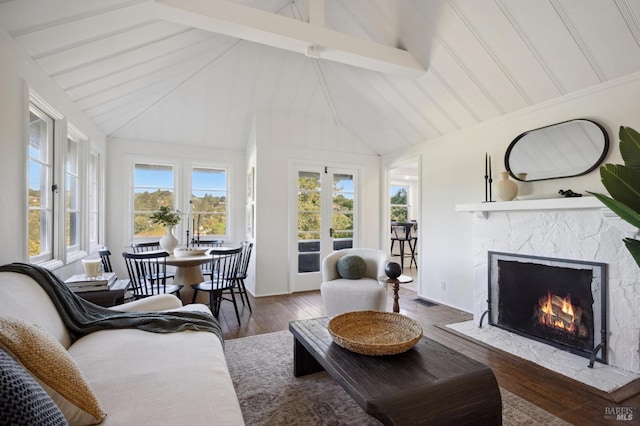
point(331, 232)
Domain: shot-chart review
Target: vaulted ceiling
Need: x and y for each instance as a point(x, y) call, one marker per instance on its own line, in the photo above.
point(393, 72)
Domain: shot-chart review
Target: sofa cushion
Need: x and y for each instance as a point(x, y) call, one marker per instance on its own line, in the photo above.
point(49, 363)
point(351, 267)
point(142, 378)
point(24, 299)
point(22, 399)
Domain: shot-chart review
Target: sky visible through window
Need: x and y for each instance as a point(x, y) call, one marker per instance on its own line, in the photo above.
point(163, 178)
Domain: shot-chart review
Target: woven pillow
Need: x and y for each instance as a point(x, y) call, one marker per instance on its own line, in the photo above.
point(50, 364)
point(22, 399)
point(351, 266)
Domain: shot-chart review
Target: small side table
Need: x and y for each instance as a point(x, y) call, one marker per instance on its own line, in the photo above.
point(402, 279)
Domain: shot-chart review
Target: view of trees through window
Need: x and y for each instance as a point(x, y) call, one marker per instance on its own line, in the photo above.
point(399, 204)
point(209, 201)
point(343, 206)
point(309, 206)
point(154, 187)
point(311, 210)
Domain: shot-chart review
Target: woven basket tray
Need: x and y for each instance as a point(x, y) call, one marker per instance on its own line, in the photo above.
point(374, 332)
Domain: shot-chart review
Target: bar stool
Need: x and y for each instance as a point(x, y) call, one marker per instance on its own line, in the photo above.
point(402, 233)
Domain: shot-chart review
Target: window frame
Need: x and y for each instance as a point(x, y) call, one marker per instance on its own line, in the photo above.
point(79, 250)
point(45, 114)
point(132, 187)
point(407, 205)
point(189, 169)
point(60, 254)
point(94, 201)
point(182, 188)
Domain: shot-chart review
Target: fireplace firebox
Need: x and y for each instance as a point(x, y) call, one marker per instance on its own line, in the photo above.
point(556, 301)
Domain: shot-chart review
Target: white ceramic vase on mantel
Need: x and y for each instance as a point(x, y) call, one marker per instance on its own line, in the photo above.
point(507, 189)
point(169, 242)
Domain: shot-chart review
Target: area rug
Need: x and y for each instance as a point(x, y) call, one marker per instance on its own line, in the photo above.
point(261, 368)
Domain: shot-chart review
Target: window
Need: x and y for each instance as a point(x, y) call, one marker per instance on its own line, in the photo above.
point(59, 171)
point(153, 186)
point(94, 199)
point(209, 202)
point(202, 196)
point(41, 200)
point(72, 195)
point(399, 203)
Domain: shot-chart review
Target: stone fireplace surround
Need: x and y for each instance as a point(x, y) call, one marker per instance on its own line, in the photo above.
point(566, 228)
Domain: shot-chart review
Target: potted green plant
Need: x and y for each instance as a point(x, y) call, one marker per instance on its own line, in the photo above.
point(623, 184)
point(164, 216)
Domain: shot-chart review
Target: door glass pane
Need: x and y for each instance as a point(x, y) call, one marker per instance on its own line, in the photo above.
point(309, 221)
point(343, 195)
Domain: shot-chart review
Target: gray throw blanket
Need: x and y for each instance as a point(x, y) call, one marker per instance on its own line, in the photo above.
point(82, 317)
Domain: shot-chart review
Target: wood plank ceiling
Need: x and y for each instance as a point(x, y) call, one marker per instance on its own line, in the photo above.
point(139, 76)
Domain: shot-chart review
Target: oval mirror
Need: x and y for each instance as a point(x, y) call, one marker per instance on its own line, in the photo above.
point(567, 149)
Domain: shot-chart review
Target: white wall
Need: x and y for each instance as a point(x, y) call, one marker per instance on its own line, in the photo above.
point(279, 141)
point(18, 74)
point(251, 160)
point(122, 153)
point(453, 173)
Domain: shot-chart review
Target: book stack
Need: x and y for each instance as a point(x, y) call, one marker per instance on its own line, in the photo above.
point(80, 283)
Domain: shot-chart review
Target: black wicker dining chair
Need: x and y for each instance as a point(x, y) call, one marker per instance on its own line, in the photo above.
point(242, 272)
point(147, 272)
point(221, 280)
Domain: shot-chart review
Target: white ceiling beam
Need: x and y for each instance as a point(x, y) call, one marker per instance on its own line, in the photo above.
point(236, 20)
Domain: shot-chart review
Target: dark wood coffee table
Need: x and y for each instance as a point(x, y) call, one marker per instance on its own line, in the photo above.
point(429, 384)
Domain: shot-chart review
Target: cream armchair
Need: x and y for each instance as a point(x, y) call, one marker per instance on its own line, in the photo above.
point(343, 295)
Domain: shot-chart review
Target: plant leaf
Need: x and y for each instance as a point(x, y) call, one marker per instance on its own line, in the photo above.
point(622, 183)
point(625, 212)
point(634, 248)
point(630, 147)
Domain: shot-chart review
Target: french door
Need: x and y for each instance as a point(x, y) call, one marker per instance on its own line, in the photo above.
point(323, 219)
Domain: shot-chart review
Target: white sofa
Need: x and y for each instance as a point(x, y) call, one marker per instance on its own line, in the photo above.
point(341, 295)
point(139, 377)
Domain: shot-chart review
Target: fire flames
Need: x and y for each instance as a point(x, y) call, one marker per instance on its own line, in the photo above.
point(559, 313)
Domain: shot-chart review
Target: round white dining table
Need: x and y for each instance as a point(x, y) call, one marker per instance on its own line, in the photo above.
point(189, 272)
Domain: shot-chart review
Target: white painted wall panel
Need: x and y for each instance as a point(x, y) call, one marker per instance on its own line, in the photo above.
point(18, 16)
point(457, 79)
point(192, 56)
point(94, 110)
point(462, 44)
point(554, 44)
point(180, 70)
point(607, 35)
point(42, 41)
point(104, 48)
point(444, 99)
point(161, 49)
point(503, 40)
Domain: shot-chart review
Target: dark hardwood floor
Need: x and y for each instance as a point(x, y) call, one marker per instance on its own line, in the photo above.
point(563, 397)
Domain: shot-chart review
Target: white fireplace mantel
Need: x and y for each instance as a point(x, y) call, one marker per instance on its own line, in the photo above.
point(482, 210)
